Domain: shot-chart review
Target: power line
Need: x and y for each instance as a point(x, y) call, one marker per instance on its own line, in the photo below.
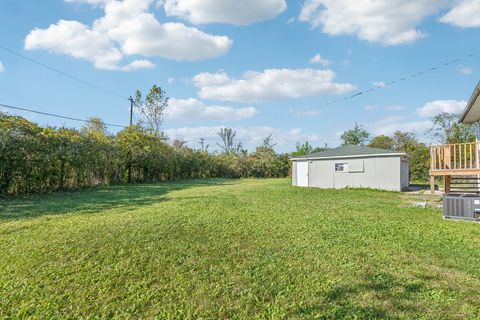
point(388, 84)
point(57, 115)
point(63, 73)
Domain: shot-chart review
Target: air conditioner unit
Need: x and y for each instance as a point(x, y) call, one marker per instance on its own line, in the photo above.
point(461, 206)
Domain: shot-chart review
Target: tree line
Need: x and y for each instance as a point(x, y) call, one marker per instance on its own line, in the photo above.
point(43, 159)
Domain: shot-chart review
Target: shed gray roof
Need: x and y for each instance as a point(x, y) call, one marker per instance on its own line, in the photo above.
point(347, 151)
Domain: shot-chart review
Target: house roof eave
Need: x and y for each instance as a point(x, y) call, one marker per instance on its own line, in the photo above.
point(470, 106)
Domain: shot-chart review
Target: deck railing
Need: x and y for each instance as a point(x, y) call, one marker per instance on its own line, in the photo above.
point(459, 157)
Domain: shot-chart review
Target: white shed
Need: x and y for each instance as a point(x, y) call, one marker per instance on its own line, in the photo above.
point(352, 166)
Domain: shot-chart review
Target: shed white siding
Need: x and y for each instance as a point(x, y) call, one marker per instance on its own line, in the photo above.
point(321, 173)
point(387, 172)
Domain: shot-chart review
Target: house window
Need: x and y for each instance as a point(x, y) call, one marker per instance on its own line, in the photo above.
point(341, 167)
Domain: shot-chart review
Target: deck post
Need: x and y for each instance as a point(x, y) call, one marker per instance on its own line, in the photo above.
point(447, 160)
point(447, 181)
point(477, 153)
point(432, 185)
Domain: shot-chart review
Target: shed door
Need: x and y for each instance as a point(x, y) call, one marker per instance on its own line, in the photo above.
point(405, 174)
point(302, 173)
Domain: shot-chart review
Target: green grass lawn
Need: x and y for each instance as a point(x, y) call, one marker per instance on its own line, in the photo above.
point(234, 249)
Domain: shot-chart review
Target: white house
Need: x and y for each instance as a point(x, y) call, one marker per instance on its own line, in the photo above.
point(352, 166)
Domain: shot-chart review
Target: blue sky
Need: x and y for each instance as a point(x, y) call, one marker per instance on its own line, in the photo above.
point(255, 66)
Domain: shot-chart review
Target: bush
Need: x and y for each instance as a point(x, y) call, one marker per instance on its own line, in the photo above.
point(36, 159)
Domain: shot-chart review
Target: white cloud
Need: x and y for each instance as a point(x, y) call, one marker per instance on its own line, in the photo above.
point(433, 108)
point(418, 127)
point(387, 126)
point(390, 124)
point(371, 107)
point(2, 67)
point(305, 112)
point(92, 2)
point(250, 137)
point(317, 59)
point(379, 84)
point(206, 79)
point(395, 108)
point(193, 110)
point(271, 84)
point(77, 40)
point(466, 70)
point(465, 14)
point(224, 11)
point(390, 22)
point(138, 64)
point(171, 80)
point(126, 29)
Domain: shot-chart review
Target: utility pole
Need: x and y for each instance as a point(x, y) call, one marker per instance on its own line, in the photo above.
point(131, 110)
point(202, 143)
point(129, 178)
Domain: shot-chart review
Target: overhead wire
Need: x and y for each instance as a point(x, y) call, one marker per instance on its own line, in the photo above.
point(67, 75)
point(63, 73)
point(57, 115)
point(287, 115)
point(388, 84)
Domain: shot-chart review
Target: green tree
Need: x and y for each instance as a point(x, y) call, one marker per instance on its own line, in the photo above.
point(355, 136)
point(447, 129)
point(268, 142)
point(153, 108)
point(404, 141)
point(302, 149)
point(420, 163)
point(382, 142)
point(179, 143)
point(95, 126)
point(228, 144)
point(419, 154)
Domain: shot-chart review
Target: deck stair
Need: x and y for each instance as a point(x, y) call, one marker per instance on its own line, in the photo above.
point(465, 184)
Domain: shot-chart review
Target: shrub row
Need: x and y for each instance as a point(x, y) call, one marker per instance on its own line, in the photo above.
point(42, 159)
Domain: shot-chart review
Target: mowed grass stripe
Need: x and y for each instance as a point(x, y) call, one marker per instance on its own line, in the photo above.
point(237, 249)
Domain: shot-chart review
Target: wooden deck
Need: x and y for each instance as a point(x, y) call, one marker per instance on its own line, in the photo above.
point(454, 161)
point(456, 172)
point(459, 159)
